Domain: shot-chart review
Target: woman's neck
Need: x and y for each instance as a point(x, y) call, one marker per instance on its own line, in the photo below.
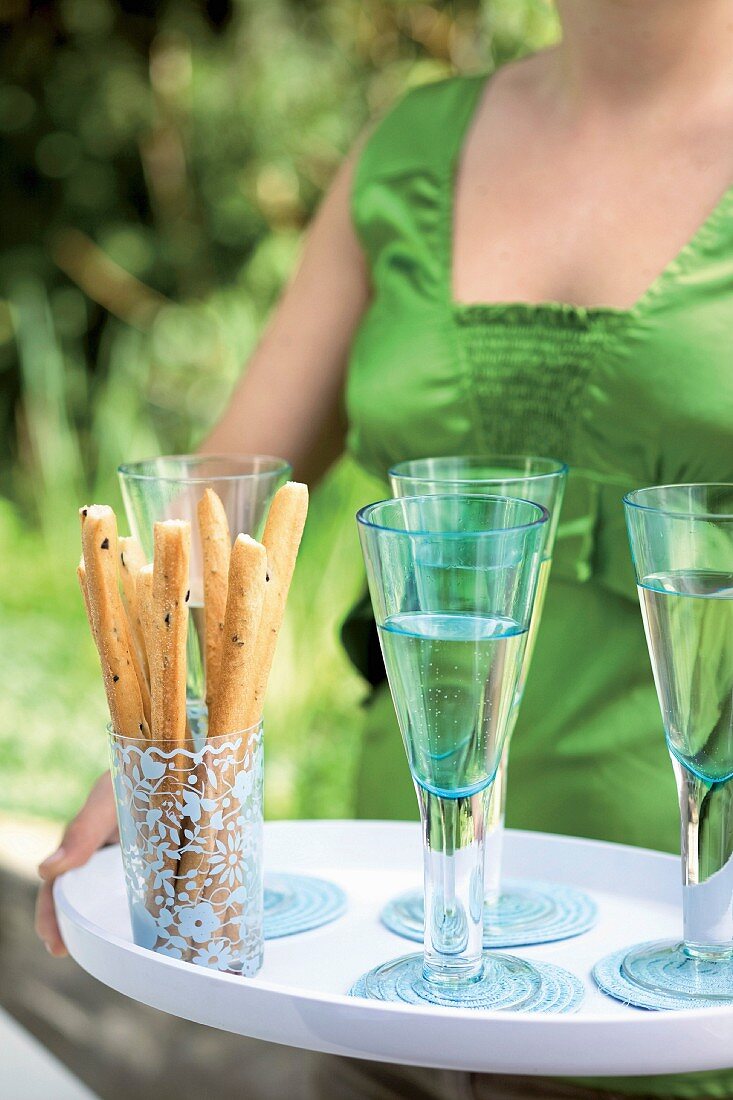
point(640, 52)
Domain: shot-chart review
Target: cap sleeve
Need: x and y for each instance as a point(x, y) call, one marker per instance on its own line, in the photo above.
point(403, 176)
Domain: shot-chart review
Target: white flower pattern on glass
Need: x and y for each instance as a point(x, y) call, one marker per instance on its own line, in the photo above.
point(217, 954)
point(226, 861)
point(198, 922)
point(224, 930)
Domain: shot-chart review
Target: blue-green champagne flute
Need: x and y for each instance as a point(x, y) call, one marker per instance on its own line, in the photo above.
point(682, 546)
point(453, 580)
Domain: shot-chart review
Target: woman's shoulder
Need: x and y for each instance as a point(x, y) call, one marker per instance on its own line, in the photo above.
point(420, 130)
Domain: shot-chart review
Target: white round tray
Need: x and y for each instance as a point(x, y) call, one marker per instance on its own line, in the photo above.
point(299, 996)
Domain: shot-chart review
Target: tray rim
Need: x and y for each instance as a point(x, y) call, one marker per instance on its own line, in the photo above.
point(304, 1001)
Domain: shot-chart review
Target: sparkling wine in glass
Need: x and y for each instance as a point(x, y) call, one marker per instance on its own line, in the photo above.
point(682, 545)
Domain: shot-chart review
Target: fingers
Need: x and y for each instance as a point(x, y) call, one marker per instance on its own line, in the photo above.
point(94, 826)
point(47, 927)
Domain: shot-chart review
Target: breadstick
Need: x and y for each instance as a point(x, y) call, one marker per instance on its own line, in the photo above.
point(109, 626)
point(144, 593)
point(132, 560)
point(81, 573)
point(216, 544)
point(246, 590)
point(168, 630)
point(247, 587)
point(142, 682)
point(151, 893)
point(161, 799)
point(283, 532)
point(144, 590)
point(245, 599)
point(282, 536)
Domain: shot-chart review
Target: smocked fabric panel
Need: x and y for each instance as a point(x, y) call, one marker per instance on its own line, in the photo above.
point(528, 381)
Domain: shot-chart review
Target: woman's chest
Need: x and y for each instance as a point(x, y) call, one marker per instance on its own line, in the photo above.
point(528, 236)
point(589, 211)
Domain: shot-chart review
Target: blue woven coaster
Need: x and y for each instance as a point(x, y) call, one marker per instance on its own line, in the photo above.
point(560, 991)
point(298, 903)
point(526, 913)
point(611, 981)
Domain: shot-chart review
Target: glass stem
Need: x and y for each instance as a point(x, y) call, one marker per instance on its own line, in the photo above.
point(494, 845)
point(453, 848)
point(706, 812)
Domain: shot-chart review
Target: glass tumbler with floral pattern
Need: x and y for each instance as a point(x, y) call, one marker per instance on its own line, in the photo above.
point(190, 821)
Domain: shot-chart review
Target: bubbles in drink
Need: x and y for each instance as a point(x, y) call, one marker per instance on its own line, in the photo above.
point(688, 618)
point(453, 679)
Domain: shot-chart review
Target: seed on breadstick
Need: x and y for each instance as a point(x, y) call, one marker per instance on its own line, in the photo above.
point(245, 599)
point(132, 560)
point(283, 532)
point(169, 627)
point(109, 625)
point(216, 544)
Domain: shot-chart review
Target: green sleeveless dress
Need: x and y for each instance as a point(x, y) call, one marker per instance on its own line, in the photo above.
point(632, 397)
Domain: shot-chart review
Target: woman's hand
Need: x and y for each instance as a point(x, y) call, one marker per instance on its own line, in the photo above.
point(94, 826)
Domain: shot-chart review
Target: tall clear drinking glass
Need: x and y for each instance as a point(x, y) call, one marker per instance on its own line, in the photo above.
point(453, 580)
point(170, 487)
point(511, 914)
point(682, 545)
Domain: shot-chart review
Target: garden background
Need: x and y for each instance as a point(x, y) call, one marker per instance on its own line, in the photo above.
point(160, 163)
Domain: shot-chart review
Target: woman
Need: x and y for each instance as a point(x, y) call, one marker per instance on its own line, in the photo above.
point(585, 195)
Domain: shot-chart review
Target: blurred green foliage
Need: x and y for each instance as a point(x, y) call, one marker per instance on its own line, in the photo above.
point(159, 164)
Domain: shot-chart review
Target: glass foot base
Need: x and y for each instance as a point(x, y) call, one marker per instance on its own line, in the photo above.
point(507, 984)
point(524, 913)
point(297, 903)
point(660, 975)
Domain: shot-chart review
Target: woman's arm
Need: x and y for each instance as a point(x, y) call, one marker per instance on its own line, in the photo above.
point(289, 401)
